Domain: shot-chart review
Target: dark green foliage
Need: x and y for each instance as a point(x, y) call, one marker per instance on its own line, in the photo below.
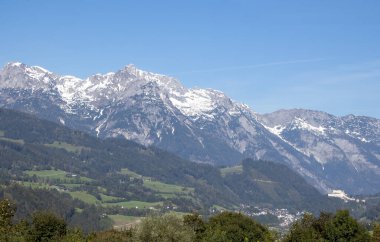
point(229, 226)
point(226, 226)
point(30, 200)
point(90, 219)
point(264, 182)
point(376, 233)
point(165, 228)
point(46, 226)
point(111, 236)
point(7, 211)
point(195, 222)
point(328, 227)
point(74, 235)
point(373, 210)
point(342, 227)
point(305, 229)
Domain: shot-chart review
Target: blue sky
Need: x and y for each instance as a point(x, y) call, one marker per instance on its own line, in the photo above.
point(322, 55)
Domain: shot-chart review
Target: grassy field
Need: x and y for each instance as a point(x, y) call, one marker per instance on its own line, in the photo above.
point(57, 174)
point(129, 173)
point(106, 201)
point(166, 188)
point(122, 221)
point(17, 141)
point(35, 185)
point(220, 208)
point(168, 195)
point(68, 147)
point(163, 189)
point(179, 214)
point(135, 204)
point(106, 198)
point(231, 170)
point(70, 185)
point(156, 185)
point(84, 196)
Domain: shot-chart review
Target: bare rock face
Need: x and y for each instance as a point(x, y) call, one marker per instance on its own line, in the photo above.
point(203, 125)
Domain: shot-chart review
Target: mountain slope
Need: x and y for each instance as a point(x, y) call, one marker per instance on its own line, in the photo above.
point(347, 148)
point(202, 125)
point(268, 183)
point(32, 146)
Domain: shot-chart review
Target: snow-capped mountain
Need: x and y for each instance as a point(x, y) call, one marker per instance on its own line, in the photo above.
point(203, 125)
point(347, 148)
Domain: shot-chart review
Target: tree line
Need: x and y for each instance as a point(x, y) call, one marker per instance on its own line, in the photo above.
point(223, 227)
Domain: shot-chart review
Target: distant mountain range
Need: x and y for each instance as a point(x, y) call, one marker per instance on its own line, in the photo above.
point(202, 125)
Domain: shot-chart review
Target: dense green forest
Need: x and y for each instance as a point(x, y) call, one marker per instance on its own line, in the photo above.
point(225, 226)
point(75, 212)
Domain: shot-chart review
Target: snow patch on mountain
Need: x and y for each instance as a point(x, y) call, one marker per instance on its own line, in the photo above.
point(67, 87)
point(277, 130)
point(303, 125)
point(356, 135)
point(194, 102)
point(16, 64)
point(61, 120)
point(38, 73)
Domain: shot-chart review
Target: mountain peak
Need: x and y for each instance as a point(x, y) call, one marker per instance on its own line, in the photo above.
point(130, 65)
point(133, 70)
point(21, 76)
point(15, 64)
point(25, 68)
point(130, 68)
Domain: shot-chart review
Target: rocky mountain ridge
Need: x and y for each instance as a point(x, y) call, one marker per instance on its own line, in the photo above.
point(203, 125)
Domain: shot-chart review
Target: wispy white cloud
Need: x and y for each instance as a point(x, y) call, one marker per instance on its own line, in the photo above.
point(231, 68)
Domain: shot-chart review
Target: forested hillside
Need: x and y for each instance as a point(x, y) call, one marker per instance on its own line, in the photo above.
point(127, 179)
